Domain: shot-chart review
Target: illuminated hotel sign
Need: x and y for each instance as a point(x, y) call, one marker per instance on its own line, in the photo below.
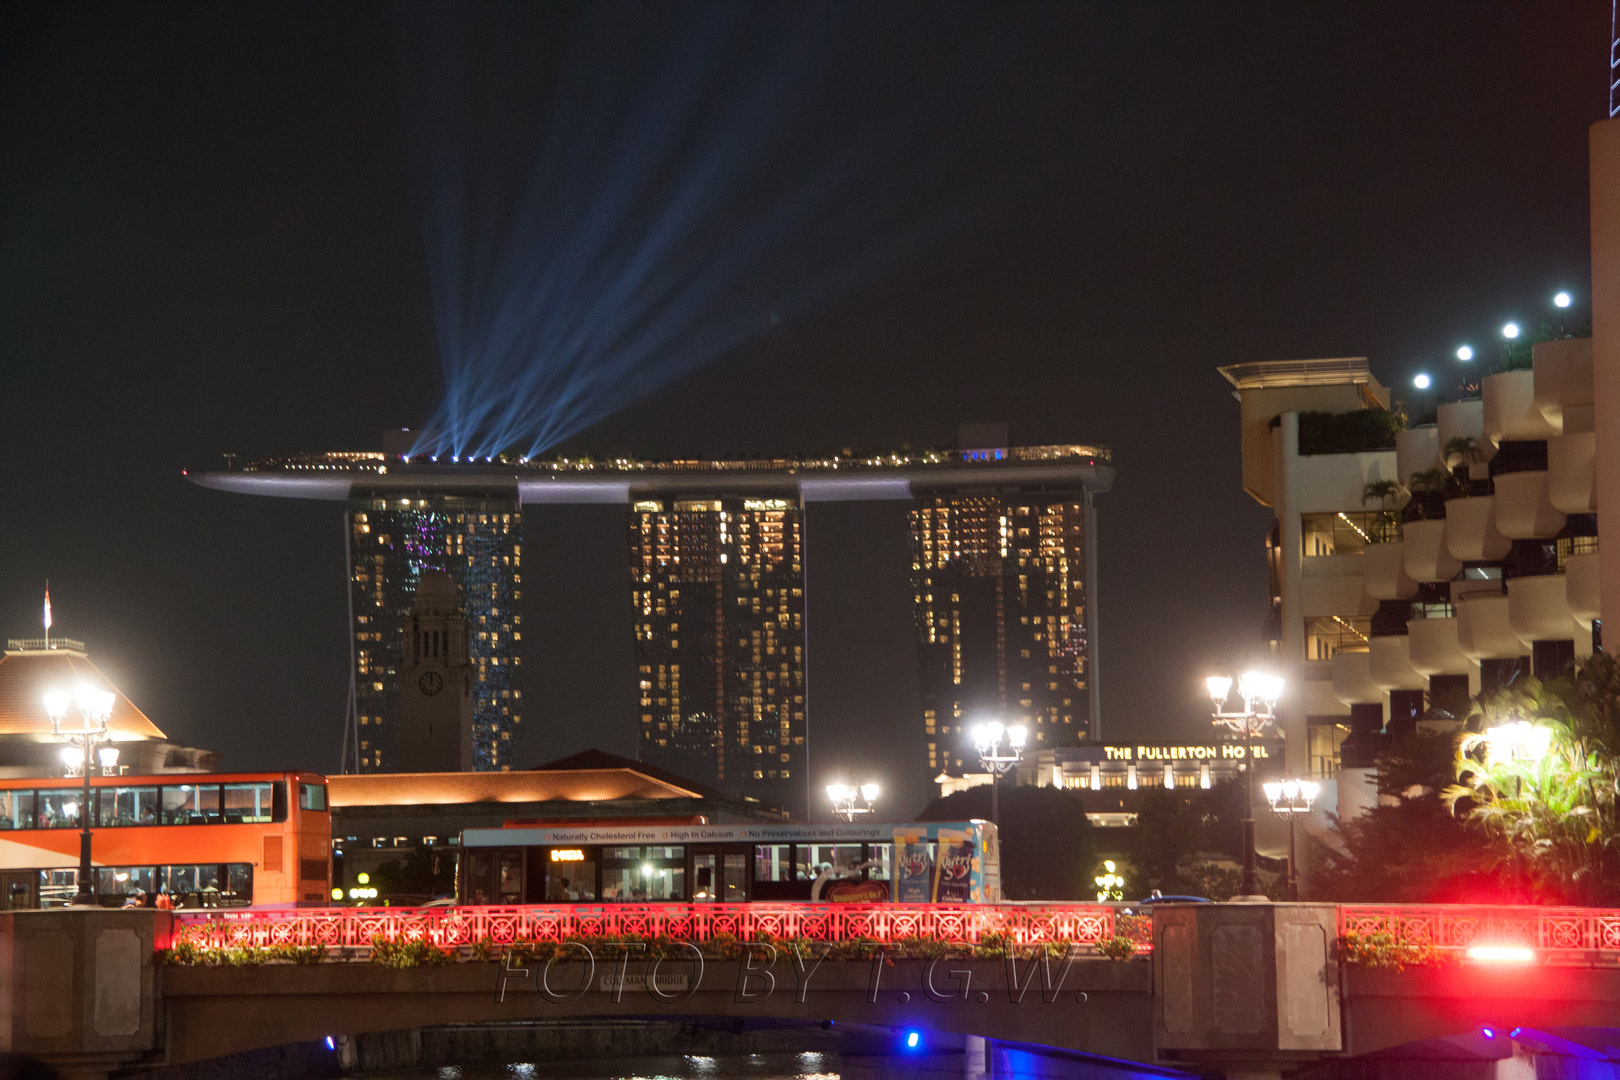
point(567, 855)
point(1213, 752)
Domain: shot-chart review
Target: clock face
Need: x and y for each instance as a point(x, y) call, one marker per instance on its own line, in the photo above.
point(430, 683)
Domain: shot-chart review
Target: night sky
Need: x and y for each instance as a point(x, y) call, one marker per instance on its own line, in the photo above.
point(208, 244)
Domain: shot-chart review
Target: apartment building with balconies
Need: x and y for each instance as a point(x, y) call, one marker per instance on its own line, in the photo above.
point(1415, 568)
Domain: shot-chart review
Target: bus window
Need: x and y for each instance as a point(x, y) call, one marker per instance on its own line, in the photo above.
point(127, 806)
point(248, 802)
point(238, 884)
point(509, 877)
point(191, 804)
point(883, 855)
point(641, 874)
point(57, 888)
point(570, 875)
point(16, 809)
point(59, 809)
point(814, 858)
point(736, 879)
point(478, 875)
point(126, 886)
point(312, 797)
point(773, 862)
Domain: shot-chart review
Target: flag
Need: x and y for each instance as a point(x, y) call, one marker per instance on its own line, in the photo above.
point(47, 607)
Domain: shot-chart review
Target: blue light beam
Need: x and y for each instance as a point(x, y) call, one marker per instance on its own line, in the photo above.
point(615, 195)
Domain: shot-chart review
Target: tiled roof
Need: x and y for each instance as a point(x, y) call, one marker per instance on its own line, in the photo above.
point(26, 677)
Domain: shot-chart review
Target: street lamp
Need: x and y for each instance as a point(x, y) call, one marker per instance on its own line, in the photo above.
point(1110, 883)
point(1259, 693)
point(988, 740)
point(850, 801)
point(1290, 797)
point(95, 709)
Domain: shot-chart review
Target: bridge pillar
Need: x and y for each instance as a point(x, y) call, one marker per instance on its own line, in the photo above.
point(78, 987)
point(1248, 989)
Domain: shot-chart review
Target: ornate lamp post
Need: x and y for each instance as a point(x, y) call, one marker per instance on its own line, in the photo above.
point(850, 802)
point(95, 709)
point(1259, 693)
point(1290, 797)
point(988, 741)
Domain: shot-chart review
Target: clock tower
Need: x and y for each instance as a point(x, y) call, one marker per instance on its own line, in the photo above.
point(435, 686)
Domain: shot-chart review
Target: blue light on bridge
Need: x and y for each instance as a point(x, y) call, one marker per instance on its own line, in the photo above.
point(1489, 1033)
point(331, 1043)
point(913, 1040)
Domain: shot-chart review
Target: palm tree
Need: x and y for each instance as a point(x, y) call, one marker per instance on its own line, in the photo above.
point(1383, 491)
point(1465, 448)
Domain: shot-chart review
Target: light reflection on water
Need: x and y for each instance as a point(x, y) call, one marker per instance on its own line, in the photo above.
point(801, 1066)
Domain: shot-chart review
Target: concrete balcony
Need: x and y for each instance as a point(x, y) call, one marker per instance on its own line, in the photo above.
point(1332, 585)
point(1572, 472)
point(1524, 509)
point(1471, 532)
point(1484, 631)
point(1384, 572)
point(1417, 449)
point(1426, 556)
point(1562, 377)
point(1510, 407)
point(1434, 648)
point(1352, 679)
point(1582, 588)
point(1466, 420)
point(1332, 482)
point(1538, 609)
point(1389, 664)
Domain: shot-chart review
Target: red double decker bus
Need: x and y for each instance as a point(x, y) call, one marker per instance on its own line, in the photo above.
point(184, 840)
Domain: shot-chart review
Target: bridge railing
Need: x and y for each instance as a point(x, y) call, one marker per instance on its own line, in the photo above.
point(1087, 925)
point(1557, 934)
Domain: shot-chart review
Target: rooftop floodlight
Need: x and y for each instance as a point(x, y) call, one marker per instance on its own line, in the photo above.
point(1465, 352)
point(1510, 331)
point(1017, 734)
point(1219, 687)
point(869, 792)
point(1563, 299)
point(1421, 381)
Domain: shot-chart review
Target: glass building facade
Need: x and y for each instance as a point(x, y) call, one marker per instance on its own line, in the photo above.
point(718, 590)
point(478, 541)
point(1003, 619)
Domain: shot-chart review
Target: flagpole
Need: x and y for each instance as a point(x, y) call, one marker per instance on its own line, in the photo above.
point(47, 614)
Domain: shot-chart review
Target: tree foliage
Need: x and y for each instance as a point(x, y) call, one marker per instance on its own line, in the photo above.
point(1047, 848)
point(1539, 773)
point(1176, 834)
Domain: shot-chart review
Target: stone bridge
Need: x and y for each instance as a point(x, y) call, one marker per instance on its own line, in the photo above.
point(1215, 988)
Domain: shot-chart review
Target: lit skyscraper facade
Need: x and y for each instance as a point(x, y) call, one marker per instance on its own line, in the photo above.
point(1003, 559)
point(1004, 618)
point(718, 590)
point(478, 541)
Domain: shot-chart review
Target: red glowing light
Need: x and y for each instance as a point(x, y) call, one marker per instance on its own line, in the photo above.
point(1501, 954)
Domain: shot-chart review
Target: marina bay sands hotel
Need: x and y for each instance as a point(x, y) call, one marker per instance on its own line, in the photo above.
point(1003, 561)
